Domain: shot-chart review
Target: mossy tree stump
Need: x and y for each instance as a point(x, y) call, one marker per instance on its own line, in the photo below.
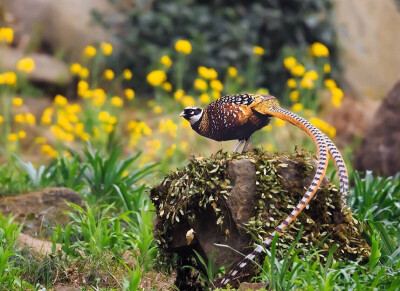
point(225, 197)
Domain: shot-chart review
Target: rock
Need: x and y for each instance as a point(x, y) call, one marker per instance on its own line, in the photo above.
point(41, 210)
point(379, 150)
point(369, 33)
point(225, 197)
point(63, 24)
point(252, 286)
point(48, 69)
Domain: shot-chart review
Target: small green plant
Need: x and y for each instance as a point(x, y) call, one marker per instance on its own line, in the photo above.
point(210, 270)
point(102, 174)
point(9, 232)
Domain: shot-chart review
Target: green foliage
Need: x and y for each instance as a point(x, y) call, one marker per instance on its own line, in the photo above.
point(105, 175)
point(222, 33)
point(211, 272)
point(9, 232)
point(11, 181)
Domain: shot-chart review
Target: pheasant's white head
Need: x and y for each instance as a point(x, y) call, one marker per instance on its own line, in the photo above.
point(192, 114)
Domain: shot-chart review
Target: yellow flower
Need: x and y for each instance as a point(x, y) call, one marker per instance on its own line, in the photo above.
point(90, 51)
point(99, 97)
point(157, 109)
point(327, 68)
point(216, 85)
point(129, 93)
point(294, 96)
point(329, 83)
point(179, 94)
point(291, 83)
point(207, 73)
point(117, 101)
point(187, 101)
point(168, 126)
point(232, 72)
point(82, 86)
point(10, 78)
point(106, 48)
point(30, 118)
point(84, 73)
point(19, 118)
point(170, 151)
point(76, 68)
point(156, 78)
point(47, 149)
point(154, 144)
point(113, 120)
point(183, 46)
point(167, 86)
point(26, 65)
point(108, 74)
point(306, 83)
point(313, 75)
point(263, 91)
point(17, 101)
point(298, 70)
point(205, 98)
point(337, 93)
point(268, 127)
point(216, 94)
point(22, 134)
point(297, 107)
point(40, 140)
point(257, 50)
point(336, 101)
point(279, 122)
point(6, 34)
point(319, 50)
point(289, 63)
point(60, 100)
point(200, 85)
point(1, 119)
point(166, 61)
point(46, 116)
point(127, 74)
point(269, 147)
point(104, 116)
point(108, 128)
point(12, 137)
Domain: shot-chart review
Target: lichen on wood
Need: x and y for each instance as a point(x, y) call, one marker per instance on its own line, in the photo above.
point(206, 196)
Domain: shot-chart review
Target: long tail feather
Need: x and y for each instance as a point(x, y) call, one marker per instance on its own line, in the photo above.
point(320, 142)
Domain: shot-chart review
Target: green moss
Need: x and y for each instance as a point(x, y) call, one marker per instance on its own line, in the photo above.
point(204, 183)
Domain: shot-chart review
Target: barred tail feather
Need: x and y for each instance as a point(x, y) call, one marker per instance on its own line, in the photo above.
point(320, 142)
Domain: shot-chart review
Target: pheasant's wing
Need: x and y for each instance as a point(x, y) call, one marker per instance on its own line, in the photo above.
point(235, 108)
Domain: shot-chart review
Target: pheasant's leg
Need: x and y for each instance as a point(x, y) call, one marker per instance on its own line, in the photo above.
point(320, 142)
point(246, 145)
point(238, 145)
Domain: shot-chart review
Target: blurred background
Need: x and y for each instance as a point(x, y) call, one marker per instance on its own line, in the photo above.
point(90, 97)
point(119, 72)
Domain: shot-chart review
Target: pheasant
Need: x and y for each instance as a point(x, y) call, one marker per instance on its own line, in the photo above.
point(238, 117)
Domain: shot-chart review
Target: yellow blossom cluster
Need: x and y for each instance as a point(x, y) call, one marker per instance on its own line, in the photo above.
point(6, 34)
point(319, 50)
point(207, 73)
point(8, 78)
point(26, 65)
point(137, 129)
point(168, 126)
point(77, 70)
point(183, 46)
point(257, 50)
point(232, 72)
point(166, 61)
point(156, 78)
